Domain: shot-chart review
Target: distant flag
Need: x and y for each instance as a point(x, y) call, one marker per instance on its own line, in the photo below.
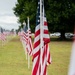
point(72, 59)
point(24, 34)
point(38, 68)
point(23, 38)
point(30, 46)
point(28, 40)
point(2, 35)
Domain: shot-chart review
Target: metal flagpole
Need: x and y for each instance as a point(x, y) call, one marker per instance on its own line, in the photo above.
point(41, 35)
point(28, 44)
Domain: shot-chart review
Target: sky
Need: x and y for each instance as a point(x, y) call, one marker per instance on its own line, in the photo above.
point(7, 18)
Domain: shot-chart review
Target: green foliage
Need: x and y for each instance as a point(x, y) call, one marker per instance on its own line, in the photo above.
point(25, 8)
point(60, 13)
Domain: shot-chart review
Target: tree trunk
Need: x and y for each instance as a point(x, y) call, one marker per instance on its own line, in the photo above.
point(62, 35)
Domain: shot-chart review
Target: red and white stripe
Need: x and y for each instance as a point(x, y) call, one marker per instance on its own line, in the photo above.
point(46, 58)
point(2, 37)
point(28, 41)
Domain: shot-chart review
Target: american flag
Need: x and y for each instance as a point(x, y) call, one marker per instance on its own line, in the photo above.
point(20, 34)
point(46, 58)
point(28, 40)
point(2, 35)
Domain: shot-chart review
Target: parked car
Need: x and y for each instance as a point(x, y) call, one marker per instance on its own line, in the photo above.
point(52, 34)
point(69, 35)
point(55, 34)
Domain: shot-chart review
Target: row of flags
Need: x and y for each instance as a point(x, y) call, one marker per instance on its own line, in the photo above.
point(5, 35)
point(2, 35)
point(25, 37)
point(39, 50)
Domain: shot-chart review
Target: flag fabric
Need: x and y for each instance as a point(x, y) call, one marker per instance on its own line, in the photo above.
point(24, 34)
point(1, 31)
point(2, 35)
point(46, 58)
point(21, 34)
point(72, 59)
point(28, 40)
point(30, 45)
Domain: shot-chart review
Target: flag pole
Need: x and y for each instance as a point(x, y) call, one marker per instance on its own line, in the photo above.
point(41, 35)
point(28, 44)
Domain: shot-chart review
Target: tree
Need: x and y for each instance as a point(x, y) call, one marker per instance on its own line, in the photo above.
point(25, 8)
point(60, 14)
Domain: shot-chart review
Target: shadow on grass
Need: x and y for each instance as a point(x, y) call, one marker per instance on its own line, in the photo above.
point(58, 39)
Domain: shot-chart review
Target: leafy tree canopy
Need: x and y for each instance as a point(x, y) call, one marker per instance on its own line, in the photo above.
point(60, 13)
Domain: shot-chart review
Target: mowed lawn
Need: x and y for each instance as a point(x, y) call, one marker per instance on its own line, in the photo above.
point(13, 60)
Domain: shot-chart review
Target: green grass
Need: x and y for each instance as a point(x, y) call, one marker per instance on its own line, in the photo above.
point(13, 60)
point(60, 52)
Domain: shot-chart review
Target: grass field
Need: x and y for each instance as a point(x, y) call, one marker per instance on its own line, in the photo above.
point(13, 60)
